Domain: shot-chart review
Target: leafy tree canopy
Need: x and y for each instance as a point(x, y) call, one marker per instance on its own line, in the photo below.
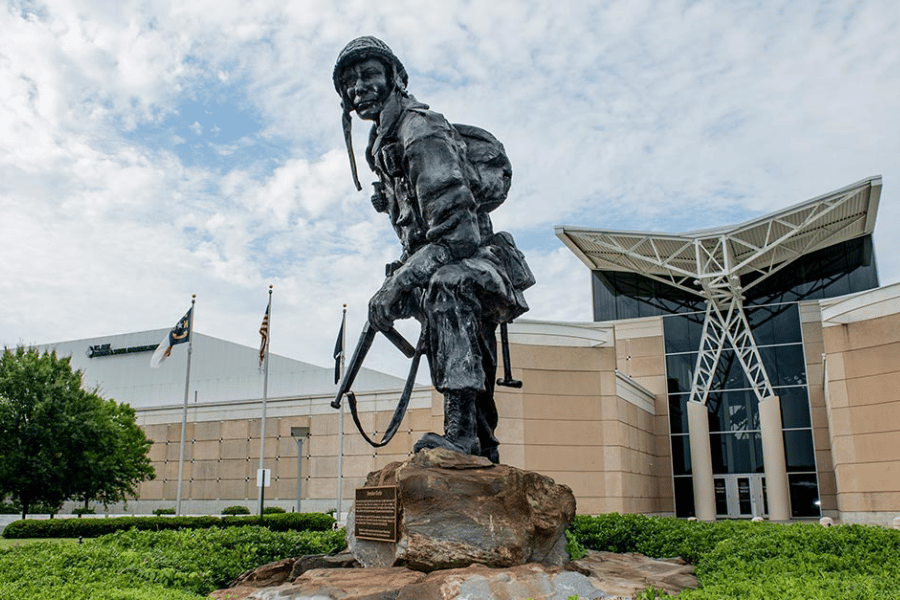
point(59, 441)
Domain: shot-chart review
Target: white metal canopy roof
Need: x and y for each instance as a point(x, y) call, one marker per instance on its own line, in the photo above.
point(762, 246)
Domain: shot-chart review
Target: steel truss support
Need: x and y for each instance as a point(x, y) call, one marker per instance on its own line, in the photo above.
point(725, 323)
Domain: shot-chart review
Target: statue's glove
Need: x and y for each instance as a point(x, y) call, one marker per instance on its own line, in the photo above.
point(384, 305)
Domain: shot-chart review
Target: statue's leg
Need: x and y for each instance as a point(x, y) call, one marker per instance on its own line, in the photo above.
point(454, 357)
point(485, 406)
point(460, 427)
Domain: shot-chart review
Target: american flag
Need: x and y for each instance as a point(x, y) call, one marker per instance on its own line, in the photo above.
point(264, 332)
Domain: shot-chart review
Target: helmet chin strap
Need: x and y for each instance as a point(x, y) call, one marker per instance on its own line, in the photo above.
point(347, 124)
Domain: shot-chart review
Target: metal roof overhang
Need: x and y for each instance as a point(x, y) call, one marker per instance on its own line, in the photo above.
point(762, 246)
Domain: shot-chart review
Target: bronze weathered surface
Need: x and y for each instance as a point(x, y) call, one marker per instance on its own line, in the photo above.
point(437, 183)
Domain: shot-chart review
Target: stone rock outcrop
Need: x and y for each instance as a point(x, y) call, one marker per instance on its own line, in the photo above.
point(599, 575)
point(625, 575)
point(457, 510)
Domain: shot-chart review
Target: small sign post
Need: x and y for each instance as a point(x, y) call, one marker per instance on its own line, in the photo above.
point(376, 513)
point(263, 480)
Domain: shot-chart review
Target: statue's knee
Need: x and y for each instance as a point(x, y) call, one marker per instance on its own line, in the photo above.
point(448, 284)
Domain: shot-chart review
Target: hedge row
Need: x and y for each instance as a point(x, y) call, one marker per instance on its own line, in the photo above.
point(659, 537)
point(150, 565)
point(91, 528)
point(744, 560)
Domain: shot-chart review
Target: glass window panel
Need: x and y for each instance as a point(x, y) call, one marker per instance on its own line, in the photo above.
point(785, 322)
point(680, 371)
point(604, 298)
point(791, 365)
point(682, 332)
point(786, 365)
point(677, 334)
point(756, 446)
point(718, 412)
point(735, 453)
point(804, 493)
point(646, 306)
point(743, 410)
point(721, 496)
point(835, 284)
point(745, 504)
point(799, 451)
point(729, 373)
point(681, 455)
point(719, 447)
point(678, 419)
point(684, 497)
point(818, 275)
point(794, 407)
point(627, 295)
point(760, 320)
point(862, 278)
point(626, 307)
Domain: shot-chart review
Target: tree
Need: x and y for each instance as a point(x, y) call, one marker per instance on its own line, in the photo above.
point(111, 469)
point(59, 441)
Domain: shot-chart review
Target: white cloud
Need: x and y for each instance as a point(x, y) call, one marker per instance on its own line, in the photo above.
point(621, 115)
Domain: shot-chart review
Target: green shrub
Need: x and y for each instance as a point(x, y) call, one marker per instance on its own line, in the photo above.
point(573, 547)
point(273, 510)
point(743, 560)
point(83, 511)
point(803, 561)
point(657, 537)
point(164, 511)
point(91, 528)
point(235, 510)
point(147, 565)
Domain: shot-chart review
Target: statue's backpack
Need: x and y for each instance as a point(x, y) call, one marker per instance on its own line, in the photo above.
point(490, 173)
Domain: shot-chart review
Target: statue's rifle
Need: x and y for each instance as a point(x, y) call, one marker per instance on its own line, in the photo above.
point(507, 379)
point(359, 355)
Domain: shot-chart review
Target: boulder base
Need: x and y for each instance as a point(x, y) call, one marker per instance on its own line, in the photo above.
point(456, 510)
point(599, 575)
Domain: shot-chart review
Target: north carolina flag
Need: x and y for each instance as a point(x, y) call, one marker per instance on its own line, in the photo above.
point(178, 335)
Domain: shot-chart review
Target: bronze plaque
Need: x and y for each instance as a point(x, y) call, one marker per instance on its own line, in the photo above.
point(376, 513)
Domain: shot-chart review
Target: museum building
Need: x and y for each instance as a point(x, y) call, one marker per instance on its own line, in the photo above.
point(746, 371)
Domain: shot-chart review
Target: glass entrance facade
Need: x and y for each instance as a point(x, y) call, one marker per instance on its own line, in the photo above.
point(772, 311)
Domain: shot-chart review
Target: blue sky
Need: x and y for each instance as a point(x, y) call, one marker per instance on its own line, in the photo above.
point(150, 151)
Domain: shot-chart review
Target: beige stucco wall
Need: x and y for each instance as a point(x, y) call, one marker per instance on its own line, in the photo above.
point(585, 416)
point(640, 356)
point(863, 402)
point(589, 417)
point(814, 349)
point(222, 453)
point(558, 423)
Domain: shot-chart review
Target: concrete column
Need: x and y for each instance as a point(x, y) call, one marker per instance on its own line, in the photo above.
point(773, 459)
point(701, 462)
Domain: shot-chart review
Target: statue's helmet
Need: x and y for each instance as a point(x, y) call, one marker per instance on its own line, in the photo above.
point(368, 47)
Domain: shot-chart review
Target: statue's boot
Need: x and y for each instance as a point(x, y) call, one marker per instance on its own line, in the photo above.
point(492, 454)
point(460, 431)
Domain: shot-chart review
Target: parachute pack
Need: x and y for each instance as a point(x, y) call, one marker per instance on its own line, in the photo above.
point(490, 172)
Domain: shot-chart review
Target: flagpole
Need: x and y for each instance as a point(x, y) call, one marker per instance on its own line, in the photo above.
point(262, 426)
point(187, 388)
point(340, 457)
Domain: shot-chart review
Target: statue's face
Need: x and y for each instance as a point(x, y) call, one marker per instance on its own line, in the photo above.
point(366, 85)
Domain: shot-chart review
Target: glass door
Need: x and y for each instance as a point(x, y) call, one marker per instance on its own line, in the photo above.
point(740, 496)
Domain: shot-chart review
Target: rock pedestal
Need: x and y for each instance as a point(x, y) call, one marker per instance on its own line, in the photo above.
point(456, 510)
